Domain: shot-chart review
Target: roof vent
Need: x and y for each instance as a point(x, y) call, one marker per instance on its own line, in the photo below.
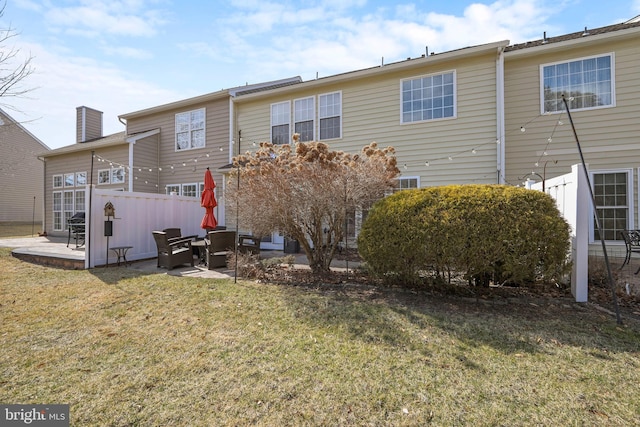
point(586, 33)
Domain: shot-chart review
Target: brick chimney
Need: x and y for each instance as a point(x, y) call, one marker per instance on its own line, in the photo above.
point(88, 124)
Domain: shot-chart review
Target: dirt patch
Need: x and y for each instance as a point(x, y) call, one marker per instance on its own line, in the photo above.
point(529, 301)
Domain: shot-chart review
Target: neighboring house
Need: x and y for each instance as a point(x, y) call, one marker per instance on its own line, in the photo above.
point(598, 70)
point(21, 173)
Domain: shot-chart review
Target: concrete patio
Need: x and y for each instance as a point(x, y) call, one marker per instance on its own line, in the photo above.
point(53, 252)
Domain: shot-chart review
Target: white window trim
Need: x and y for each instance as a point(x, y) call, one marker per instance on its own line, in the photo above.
point(71, 175)
point(175, 130)
point(176, 186)
point(455, 97)
point(108, 173)
point(401, 178)
point(78, 174)
point(288, 103)
point(314, 114)
point(75, 201)
point(54, 181)
point(613, 82)
point(341, 114)
point(630, 202)
point(113, 174)
point(54, 210)
point(195, 184)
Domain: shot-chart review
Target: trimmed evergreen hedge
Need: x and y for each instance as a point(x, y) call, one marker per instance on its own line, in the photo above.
point(487, 233)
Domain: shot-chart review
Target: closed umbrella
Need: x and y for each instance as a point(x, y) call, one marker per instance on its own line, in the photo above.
point(208, 201)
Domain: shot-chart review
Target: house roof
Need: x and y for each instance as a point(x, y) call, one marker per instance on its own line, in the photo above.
point(119, 138)
point(407, 64)
point(16, 123)
point(631, 26)
point(213, 96)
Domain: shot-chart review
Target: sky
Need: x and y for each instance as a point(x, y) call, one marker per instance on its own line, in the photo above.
point(121, 56)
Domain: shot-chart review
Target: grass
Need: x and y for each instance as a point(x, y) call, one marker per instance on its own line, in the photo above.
point(124, 348)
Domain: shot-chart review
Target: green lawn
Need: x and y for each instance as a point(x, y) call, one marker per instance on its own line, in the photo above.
point(124, 348)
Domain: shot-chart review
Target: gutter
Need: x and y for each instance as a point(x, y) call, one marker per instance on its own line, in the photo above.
point(500, 126)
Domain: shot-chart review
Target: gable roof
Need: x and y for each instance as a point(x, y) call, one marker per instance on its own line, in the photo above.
point(114, 139)
point(16, 123)
point(213, 96)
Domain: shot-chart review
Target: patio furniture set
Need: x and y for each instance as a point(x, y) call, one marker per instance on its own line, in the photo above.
point(175, 250)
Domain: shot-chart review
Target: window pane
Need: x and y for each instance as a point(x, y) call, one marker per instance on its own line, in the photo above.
point(428, 97)
point(280, 134)
point(330, 128)
point(588, 81)
point(611, 195)
point(305, 130)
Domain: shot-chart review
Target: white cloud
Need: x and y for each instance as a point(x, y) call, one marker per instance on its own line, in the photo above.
point(64, 83)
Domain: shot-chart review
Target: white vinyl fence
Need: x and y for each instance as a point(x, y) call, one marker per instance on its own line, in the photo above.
point(136, 216)
point(572, 196)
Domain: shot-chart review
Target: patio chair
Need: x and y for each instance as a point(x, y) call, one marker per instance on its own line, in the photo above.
point(219, 244)
point(249, 244)
point(632, 242)
point(172, 252)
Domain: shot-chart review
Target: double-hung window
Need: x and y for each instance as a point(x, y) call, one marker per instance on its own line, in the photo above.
point(173, 189)
point(280, 121)
point(303, 118)
point(190, 130)
point(428, 98)
point(190, 190)
point(330, 115)
point(57, 210)
point(586, 83)
point(612, 195)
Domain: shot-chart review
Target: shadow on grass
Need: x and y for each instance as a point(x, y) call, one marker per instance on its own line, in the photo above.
point(409, 319)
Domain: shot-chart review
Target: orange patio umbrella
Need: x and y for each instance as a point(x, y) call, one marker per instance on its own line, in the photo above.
point(208, 201)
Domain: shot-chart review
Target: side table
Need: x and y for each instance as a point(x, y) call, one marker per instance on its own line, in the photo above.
point(121, 252)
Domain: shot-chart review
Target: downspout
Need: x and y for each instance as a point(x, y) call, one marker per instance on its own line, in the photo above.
point(130, 156)
point(131, 144)
point(44, 195)
point(500, 127)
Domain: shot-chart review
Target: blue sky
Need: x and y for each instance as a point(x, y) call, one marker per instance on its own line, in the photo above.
point(120, 56)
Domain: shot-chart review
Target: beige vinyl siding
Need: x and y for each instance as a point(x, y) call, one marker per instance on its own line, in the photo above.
point(80, 162)
point(21, 173)
point(609, 136)
point(371, 112)
point(216, 137)
point(145, 157)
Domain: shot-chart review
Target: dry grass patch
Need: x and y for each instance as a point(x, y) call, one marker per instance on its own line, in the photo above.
point(124, 348)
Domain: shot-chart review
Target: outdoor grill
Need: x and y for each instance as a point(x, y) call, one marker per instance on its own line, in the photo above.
point(75, 225)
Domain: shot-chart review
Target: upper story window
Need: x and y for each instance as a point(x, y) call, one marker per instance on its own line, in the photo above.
point(81, 179)
point(428, 98)
point(303, 118)
point(57, 181)
point(330, 115)
point(117, 175)
point(280, 120)
point(190, 130)
point(587, 82)
point(69, 180)
point(104, 176)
